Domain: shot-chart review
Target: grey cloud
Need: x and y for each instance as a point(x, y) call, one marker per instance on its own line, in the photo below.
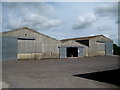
point(85, 21)
point(103, 28)
point(32, 15)
point(110, 9)
point(117, 22)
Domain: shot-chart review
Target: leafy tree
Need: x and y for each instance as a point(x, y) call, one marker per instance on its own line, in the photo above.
point(116, 49)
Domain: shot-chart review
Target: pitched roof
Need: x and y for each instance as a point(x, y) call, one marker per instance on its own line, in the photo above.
point(78, 38)
point(29, 30)
point(84, 38)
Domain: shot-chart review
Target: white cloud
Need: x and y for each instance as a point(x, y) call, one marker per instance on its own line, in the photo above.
point(32, 15)
point(51, 23)
point(110, 9)
point(85, 21)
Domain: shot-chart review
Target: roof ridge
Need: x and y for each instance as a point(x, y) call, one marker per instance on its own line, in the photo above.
point(31, 30)
point(84, 37)
point(87, 37)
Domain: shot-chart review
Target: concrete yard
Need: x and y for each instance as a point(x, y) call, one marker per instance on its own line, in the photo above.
point(57, 73)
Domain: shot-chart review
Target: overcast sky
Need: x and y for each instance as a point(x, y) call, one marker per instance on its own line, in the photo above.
point(63, 19)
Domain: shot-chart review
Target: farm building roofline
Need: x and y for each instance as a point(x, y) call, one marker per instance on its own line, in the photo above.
point(84, 38)
point(78, 38)
point(30, 30)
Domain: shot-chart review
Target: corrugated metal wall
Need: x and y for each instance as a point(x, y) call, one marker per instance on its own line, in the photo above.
point(92, 47)
point(46, 47)
point(100, 49)
point(72, 43)
point(109, 48)
point(0, 47)
point(80, 52)
point(9, 48)
point(63, 52)
point(42, 47)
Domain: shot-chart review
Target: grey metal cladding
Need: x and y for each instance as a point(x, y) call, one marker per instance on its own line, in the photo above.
point(0, 48)
point(62, 51)
point(80, 51)
point(9, 48)
point(109, 48)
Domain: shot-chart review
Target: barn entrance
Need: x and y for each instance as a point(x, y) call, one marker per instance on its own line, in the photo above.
point(72, 52)
point(26, 48)
point(108, 47)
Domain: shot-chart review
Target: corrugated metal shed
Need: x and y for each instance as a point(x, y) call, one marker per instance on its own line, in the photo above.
point(67, 47)
point(35, 45)
point(95, 48)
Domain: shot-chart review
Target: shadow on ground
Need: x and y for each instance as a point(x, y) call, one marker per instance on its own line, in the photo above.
point(110, 76)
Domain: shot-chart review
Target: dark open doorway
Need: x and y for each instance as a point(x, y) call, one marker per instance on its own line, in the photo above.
point(72, 52)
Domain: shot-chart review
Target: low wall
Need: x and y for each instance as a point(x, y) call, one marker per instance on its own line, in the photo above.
point(36, 56)
point(100, 53)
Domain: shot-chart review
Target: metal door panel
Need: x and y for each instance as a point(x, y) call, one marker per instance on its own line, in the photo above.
point(9, 48)
point(62, 52)
point(109, 48)
point(80, 51)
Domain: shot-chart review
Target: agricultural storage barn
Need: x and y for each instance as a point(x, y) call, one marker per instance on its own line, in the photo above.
point(32, 44)
point(72, 48)
point(25, 43)
point(97, 45)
